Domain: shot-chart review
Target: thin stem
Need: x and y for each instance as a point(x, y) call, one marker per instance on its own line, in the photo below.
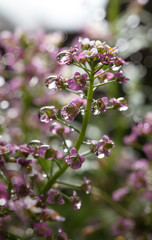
point(102, 84)
point(75, 92)
point(86, 153)
point(87, 112)
point(69, 185)
point(67, 124)
point(81, 135)
point(111, 202)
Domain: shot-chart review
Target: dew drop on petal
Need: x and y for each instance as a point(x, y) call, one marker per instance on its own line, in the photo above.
point(78, 205)
point(63, 58)
point(94, 108)
point(34, 144)
point(2, 201)
point(50, 83)
point(47, 113)
point(123, 108)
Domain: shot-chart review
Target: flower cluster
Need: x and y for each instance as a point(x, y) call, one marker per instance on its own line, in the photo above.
point(30, 185)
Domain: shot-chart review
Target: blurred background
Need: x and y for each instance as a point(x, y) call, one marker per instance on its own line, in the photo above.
point(32, 32)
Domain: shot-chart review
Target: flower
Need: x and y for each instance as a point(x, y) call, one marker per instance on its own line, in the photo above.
point(147, 148)
point(123, 226)
point(106, 58)
point(99, 105)
point(103, 77)
point(78, 82)
point(47, 113)
point(118, 61)
point(62, 235)
point(86, 185)
point(119, 104)
point(121, 78)
point(119, 193)
point(90, 53)
point(74, 159)
point(102, 147)
point(69, 112)
point(55, 196)
point(55, 82)
point(43, 229)
point(76, 201)
point(59, 130)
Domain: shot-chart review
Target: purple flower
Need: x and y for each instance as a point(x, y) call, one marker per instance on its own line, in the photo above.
point(43, 229)
point(148, 195)
point(137, 179)
point(81, 58)
point(58, 129)
point(147, 148)
point(87, 185)
point(45, 151)
point(69, 112)
point(130, 139)
point(76, 201)
point(106, 58)
point(54, 82)
point(123, 226)
point(119, 193)
point(103, 147)
point(141, 164)
point(121, 78)
point(119, 104)
point(23, 162)
point(47, 113)
point(78, 82)
point(74, 159)
point(103, 77)
point(118, 61)
point(21, 187)
point(65, 57)
point(99, 105)
point(62, 235)
point(55, 196)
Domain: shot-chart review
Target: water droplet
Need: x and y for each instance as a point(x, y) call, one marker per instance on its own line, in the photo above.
point(123, 104)
point(94, 108)
point(47, 113)
point(50, 82)
point(65, 150)
point(44, 175)
point(34, 144)
point(29, 232)
point(82, 111)
point(64, 57)
point(2, 201)
point(78, 205)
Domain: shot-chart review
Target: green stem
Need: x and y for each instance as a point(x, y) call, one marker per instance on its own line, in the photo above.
point(121, 210)
point(67, 124)
point(104, 83)
point(87, 112)
point(69, 185)
point(81, 135)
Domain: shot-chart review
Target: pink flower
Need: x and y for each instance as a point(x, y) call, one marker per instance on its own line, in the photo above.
point(76, 201)
point(69, 112)
point(43, 229)
point(78, 82)
point(55, 196)
point(74, 159)
point(121, 78)
point(47, 113)
point(102, 148)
